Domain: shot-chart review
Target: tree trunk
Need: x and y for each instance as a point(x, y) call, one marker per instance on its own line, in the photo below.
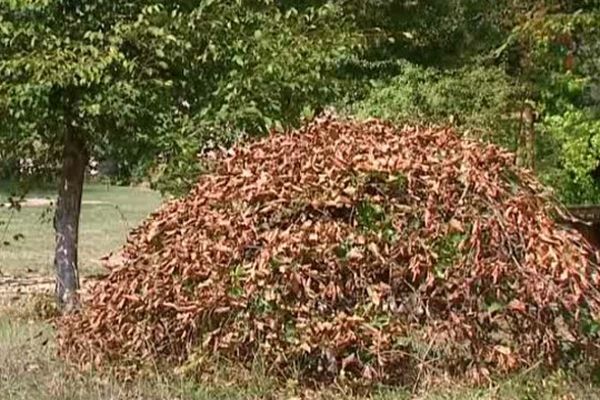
point(66, 221)
point(526, 139)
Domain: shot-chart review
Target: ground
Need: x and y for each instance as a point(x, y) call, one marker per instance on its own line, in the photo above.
point(108, 213)
point(30, 369)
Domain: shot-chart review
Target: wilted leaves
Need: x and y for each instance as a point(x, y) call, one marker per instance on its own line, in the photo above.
point(348, 249)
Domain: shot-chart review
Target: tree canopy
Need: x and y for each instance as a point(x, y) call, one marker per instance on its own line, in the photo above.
point(136, 77)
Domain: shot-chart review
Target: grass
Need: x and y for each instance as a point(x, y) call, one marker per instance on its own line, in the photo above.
point(108, 213)
point(30, 369)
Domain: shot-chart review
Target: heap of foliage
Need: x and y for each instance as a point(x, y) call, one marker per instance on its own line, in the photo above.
point(349, 250)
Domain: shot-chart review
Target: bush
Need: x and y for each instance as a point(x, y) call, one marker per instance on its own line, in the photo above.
point(572, 140)
point(476, 100)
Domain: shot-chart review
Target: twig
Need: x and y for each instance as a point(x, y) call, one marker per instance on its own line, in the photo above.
point(422, 364)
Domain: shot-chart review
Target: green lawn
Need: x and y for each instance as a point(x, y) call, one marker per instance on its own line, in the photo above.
point(108, 213)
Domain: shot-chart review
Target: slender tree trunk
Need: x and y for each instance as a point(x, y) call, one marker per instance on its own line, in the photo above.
point(526, 139)
point(66, 221)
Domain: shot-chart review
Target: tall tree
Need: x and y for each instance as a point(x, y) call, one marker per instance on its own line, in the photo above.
point(553, 51)
point(139, 78)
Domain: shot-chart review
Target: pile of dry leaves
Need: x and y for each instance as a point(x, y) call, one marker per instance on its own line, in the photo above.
point(349, 250)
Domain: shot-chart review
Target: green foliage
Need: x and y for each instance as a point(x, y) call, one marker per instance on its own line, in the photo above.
point(280, 65)
point(436, 33)
point(148, 81)
point(474, 99)
point(558, 69)
point(534, 43)
point(572, 164)
point(153, 84)
point(446, 248)
point(369, 215)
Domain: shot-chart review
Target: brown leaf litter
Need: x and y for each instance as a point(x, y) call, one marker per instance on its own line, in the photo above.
point(354, 250)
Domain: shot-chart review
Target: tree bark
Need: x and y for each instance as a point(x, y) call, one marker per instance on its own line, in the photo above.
point(526, 139)
point(66, 221)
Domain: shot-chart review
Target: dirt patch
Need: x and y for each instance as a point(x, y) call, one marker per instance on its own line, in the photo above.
point(11, 286)
point(40, 202)
point(16, 291)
